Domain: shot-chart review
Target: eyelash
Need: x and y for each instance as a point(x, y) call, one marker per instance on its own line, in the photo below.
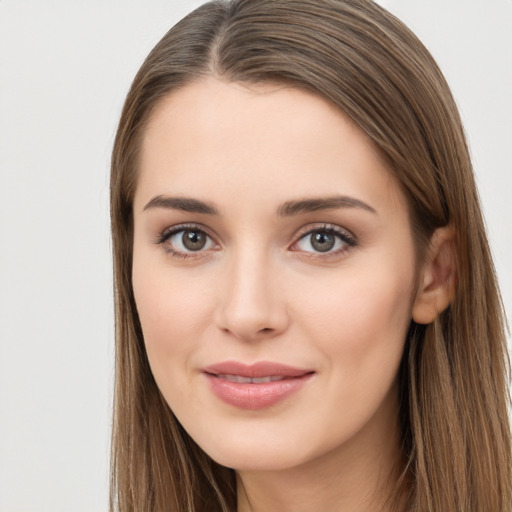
point(170, 232)
point(348, 240)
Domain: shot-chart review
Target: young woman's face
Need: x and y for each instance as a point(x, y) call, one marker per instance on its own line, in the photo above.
point(273, 273)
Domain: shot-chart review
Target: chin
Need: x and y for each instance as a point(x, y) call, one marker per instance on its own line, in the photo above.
point(256, 448)
point(254, 459)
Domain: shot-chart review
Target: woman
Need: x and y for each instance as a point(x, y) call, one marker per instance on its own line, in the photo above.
point(307, 313)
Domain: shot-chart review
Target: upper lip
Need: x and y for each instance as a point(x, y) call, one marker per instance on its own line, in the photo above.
point(256, 370)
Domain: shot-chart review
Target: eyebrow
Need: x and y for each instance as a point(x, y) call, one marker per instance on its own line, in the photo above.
point(322, 203)
point(185, 204)
point(287, 209)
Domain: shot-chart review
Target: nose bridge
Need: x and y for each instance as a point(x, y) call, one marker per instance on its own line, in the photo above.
point(252, 304)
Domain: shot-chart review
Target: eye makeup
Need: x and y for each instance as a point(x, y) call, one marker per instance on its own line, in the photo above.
point(192, 240)
point(324, 241)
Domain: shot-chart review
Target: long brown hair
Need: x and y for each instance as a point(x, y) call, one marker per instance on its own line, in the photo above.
point(454, 373)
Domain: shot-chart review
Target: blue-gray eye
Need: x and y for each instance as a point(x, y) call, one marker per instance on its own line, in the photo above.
point(193, 240)
point(190, 240)
point(322, 240)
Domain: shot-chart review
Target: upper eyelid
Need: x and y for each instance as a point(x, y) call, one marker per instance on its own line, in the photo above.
point(310, 228)
point(164, 239)
point(348, 238)
point(166, 233)
point(184, 227)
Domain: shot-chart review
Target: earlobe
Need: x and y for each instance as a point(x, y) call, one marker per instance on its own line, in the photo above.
point(436, 288)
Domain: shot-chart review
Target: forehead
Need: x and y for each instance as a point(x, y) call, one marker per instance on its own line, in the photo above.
point(227, 141)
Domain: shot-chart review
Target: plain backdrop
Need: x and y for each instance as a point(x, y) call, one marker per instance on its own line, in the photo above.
point(65, 67)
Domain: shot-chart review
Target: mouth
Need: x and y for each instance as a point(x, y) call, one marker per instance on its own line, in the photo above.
point(248, 380)
point(255, 386)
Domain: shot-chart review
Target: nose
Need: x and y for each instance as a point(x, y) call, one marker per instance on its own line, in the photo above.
point(252, 304)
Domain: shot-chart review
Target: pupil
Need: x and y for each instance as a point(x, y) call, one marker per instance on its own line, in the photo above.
point(322, 242)
point(194, 240)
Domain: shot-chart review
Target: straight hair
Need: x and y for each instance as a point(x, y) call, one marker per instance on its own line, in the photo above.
point(453, 379)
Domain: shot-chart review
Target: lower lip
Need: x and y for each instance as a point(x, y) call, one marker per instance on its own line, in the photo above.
point(255, 396)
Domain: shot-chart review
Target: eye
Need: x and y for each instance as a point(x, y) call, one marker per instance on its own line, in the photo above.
point(327, 239)
point(184, 241)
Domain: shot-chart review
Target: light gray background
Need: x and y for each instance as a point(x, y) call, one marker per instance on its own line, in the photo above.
point(65, 67)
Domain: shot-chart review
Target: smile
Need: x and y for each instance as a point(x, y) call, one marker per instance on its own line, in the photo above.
point(249, 380)
point(256, 386)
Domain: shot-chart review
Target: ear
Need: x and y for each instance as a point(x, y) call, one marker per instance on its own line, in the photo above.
point(437, 278)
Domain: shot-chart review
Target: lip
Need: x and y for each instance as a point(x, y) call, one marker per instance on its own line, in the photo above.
point(228, 381)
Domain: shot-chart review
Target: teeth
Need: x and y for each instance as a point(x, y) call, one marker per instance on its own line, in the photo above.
point(266, 379)
point(238, 378)
point(261, 380)
point(249, 380)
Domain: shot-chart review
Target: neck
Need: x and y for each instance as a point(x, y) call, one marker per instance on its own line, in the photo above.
point(359, 476)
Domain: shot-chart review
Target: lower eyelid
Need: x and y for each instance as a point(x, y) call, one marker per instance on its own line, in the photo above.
point(348, 240)
point(164, 238)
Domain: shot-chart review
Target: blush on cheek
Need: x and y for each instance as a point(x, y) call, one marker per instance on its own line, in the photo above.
point(369, 315)
point(173, 315)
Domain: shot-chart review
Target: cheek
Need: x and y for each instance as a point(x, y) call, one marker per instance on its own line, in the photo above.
point(359, 317)
point(173, 312)
point(361, 330)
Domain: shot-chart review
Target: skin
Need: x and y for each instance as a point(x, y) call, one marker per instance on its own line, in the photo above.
point(259, 291)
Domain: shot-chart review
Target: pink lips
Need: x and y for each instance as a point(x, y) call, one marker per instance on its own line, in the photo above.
point(254, 386)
